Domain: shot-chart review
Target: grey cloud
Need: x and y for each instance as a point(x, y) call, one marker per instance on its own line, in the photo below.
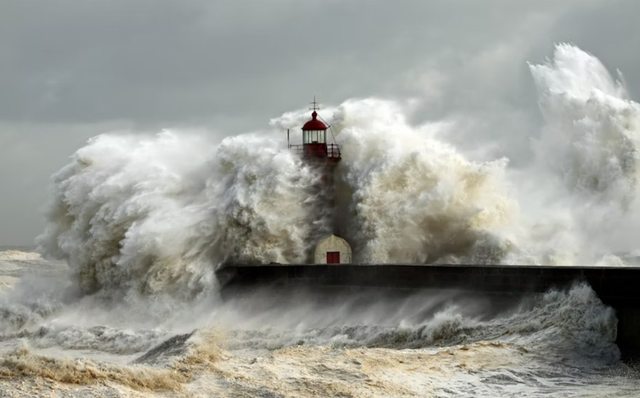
point(70, 61)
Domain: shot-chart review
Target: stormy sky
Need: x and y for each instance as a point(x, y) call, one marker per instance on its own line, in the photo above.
point(72, 69)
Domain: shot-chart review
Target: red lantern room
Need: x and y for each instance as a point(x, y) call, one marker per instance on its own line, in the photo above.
point(314, 141)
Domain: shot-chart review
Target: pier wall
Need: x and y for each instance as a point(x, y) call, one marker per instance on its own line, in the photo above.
point(618, 287)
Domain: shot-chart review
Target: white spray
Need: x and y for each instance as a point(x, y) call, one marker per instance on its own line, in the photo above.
point(590, 146)
point(158, 214)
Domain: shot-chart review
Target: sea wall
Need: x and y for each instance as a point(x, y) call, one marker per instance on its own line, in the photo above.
point(618, 287)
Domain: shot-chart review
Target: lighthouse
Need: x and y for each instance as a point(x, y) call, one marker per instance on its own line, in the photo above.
point(323, 157)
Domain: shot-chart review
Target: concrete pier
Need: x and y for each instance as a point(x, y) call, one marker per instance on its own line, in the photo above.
point(618, 287)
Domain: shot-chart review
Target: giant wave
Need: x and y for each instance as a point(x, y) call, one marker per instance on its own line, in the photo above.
point(157, 214)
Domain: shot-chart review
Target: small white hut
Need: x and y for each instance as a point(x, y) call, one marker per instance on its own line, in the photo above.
point(333, 250)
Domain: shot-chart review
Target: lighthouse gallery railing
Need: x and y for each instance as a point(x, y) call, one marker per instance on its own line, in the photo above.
point(317, 150)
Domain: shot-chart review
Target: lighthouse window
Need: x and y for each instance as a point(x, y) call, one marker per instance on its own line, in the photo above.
point(311, 136)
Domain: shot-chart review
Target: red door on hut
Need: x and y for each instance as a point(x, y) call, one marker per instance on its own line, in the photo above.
point(333, 257)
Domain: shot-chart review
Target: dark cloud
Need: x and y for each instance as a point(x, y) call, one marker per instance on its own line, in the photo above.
point(71, 68)
point(151, 61)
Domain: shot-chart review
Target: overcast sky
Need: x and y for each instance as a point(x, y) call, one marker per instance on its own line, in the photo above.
point(72, 69)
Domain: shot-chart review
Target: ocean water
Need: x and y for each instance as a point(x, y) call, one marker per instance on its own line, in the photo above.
point(431, 344)
point(121, 297)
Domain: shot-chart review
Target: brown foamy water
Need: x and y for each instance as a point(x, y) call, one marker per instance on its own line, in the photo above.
point(54, 346)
